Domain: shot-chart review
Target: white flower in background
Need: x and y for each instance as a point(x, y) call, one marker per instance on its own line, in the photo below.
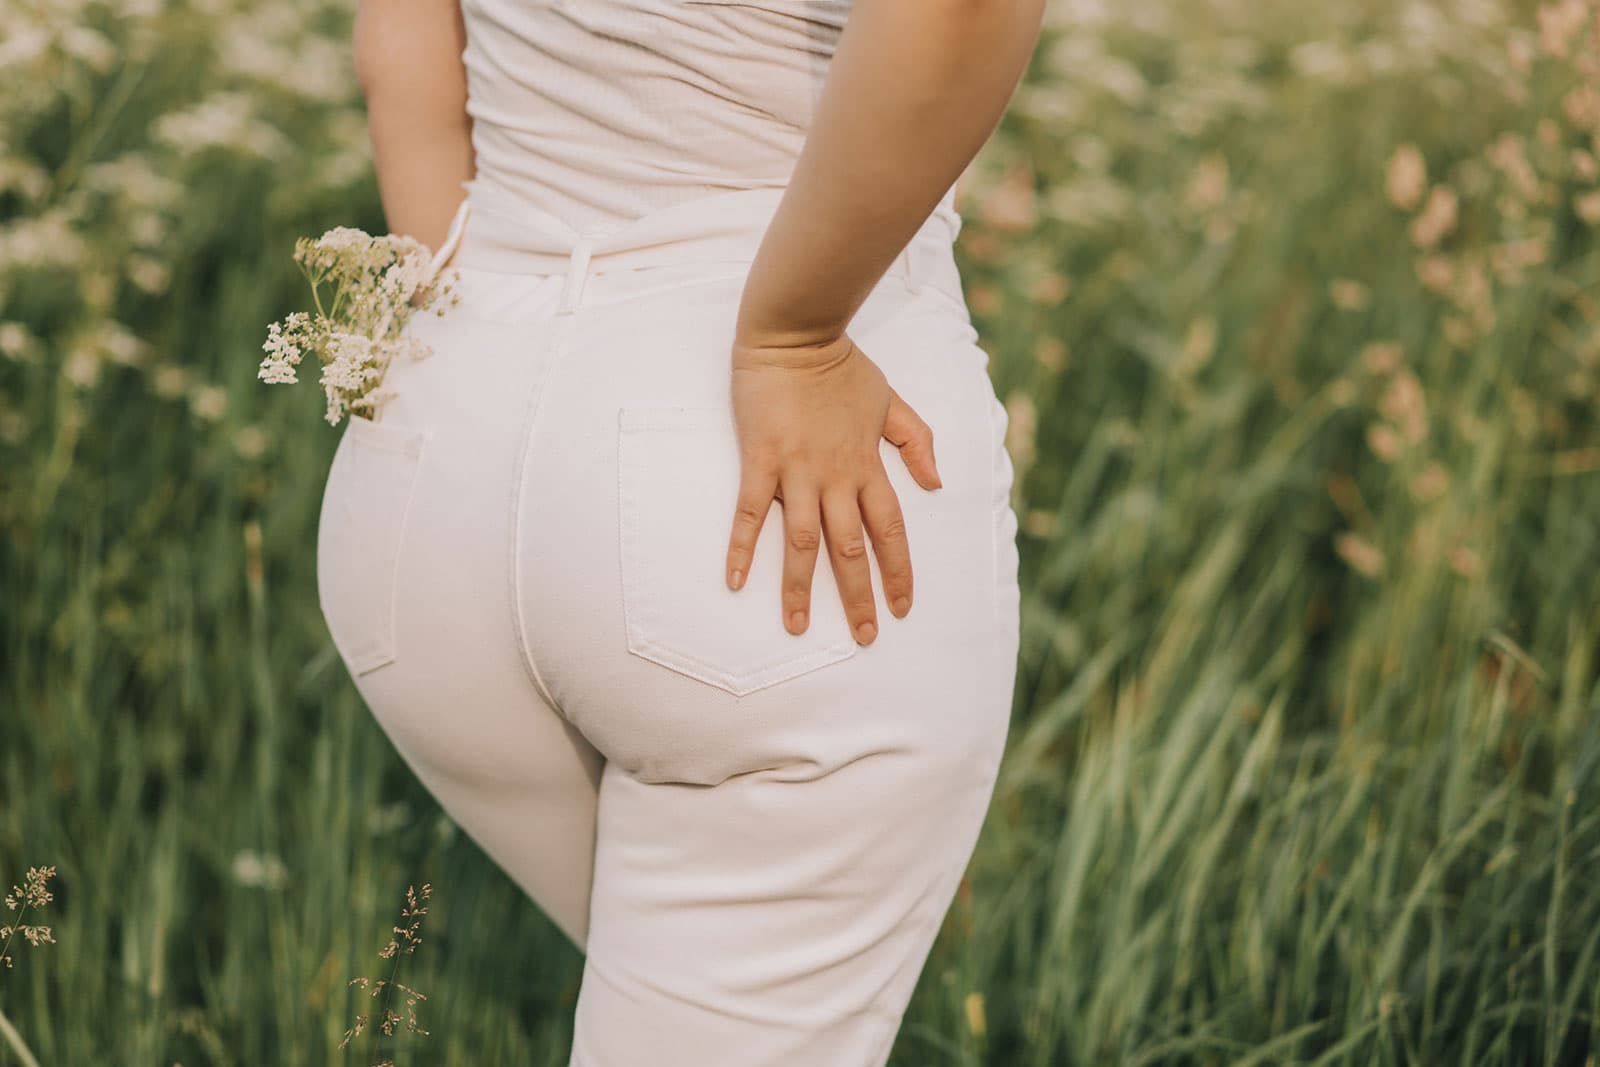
point(1438, 219)
point(389, 817)
point(222, 120)
point(1322, 59)
point(169, 381)
point(90, 47)
point(256, 871)
point(120, 345)
point(24, 44)
point(95, 345)
point(1407, 177)
point(1588, 208)
point(46, 240)
point(82, 367)
point(148, 229)
point(209, 402)
point(17, 342)
point(150, 275)
point(134, 179)
point(285, 56)
point(24, 176)
point(251, 442)
point(1559, 24)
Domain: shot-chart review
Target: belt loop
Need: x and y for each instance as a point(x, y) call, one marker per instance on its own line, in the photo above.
point(907, 265)
point(577, 275)
point(452, 239)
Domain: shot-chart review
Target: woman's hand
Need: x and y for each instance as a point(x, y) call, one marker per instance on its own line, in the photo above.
point(809, 418)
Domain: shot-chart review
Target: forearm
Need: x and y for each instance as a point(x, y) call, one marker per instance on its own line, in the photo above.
point(408, 62)
point(914, 90)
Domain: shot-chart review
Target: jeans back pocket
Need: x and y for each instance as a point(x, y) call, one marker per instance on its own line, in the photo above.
point(360, 531)
point(678, 482)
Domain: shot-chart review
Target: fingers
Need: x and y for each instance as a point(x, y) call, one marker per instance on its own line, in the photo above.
point(802, 536)
point(886, 524)
point(904, 428)
point(757, 485)
point(847, 550)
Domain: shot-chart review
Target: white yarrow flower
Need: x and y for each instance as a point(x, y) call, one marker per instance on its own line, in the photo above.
point(360, 328)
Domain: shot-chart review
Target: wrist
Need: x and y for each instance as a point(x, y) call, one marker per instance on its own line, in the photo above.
point(766, 350)
point(755, 329)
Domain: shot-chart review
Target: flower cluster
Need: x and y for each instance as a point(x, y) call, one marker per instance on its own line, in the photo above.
point(375, 283)
point(35, 894)
point(388, 1021)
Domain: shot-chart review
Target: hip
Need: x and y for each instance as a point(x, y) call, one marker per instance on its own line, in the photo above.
point(573, 475)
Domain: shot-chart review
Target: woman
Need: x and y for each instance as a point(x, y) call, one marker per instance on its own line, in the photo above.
point(710, 324)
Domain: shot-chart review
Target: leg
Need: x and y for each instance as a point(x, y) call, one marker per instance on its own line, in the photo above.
point(781, 917)
point(781, 828)
point(459, 699)
point(463, 713)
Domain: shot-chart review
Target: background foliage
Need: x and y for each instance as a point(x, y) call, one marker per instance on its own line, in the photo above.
point(1294, 308)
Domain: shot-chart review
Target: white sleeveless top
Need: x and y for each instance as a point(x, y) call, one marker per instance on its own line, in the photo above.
point(599, 111)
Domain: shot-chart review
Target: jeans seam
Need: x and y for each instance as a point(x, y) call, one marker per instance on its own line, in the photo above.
point(644, 634)
point(514, 493)
point(995, 441)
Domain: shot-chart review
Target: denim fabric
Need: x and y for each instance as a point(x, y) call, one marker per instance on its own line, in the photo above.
point(753, 835)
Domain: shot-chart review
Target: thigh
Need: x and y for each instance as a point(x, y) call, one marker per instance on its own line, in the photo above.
point(782, 915)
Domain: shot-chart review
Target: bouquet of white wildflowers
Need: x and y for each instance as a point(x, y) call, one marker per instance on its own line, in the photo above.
point(374, 285)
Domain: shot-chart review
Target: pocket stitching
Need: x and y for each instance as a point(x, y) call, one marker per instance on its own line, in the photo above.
point(406, 441)
point(638, 603)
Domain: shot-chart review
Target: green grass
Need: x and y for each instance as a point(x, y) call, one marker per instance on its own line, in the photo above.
point(1306, 753)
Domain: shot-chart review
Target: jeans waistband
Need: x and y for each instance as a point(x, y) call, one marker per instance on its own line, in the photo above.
point(492, 232)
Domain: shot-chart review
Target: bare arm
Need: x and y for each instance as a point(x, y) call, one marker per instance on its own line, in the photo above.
point(914, 90)
point(408, 63)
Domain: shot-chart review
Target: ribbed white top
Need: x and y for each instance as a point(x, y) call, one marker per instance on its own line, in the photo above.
point(600, 111)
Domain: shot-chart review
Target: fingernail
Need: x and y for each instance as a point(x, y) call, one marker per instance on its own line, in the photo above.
point(797, 621)
point(902, 605)
point(865, 632)
point(738, 579)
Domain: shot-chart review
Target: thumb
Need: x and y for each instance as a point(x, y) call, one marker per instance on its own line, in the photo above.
point(905, 429)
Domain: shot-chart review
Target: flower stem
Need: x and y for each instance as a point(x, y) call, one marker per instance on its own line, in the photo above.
point(383, 1017)
point(14, 927)
point(14, 1039)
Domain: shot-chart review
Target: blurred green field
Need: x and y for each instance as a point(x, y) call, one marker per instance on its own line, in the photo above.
point(1296, 311)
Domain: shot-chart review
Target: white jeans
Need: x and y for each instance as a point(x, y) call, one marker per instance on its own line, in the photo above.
point(754, 836)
